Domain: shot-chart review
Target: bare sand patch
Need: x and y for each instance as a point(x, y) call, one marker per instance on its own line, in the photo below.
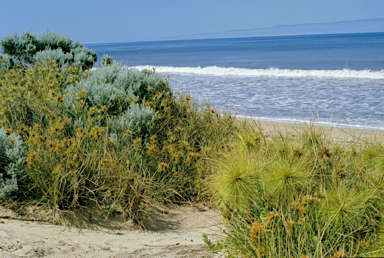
point(173, 232)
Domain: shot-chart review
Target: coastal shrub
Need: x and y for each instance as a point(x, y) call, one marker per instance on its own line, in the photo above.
point(57, 55)
point(300, 197)
point(136, 120)
point(12, 159)
point(22, 47)
point(32, 97)
point(28, 49)
point(115, 96)
point(106, 60)
point(115, 87)
point(6, 62)
point(112, 137)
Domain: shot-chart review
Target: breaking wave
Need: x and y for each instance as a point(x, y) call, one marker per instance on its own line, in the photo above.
point(271, 72)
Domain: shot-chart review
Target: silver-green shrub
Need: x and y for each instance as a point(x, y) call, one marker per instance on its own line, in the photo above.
point(6, 62)
point(118, 90)
point(114, 87)
point(21, 47)
point(56, 55)
point(12, 159)
point(27, 49)
point(83, 57)
point(134, 119)
point(54, 40)
point(106, 60)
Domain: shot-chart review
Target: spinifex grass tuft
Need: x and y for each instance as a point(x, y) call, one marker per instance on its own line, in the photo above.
point(285, 178)
point(234, 180)
point(311, 197)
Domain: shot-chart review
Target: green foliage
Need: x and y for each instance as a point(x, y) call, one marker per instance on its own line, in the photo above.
point(235, 180)
point(6, 62)
point(311, 198)
point(106, 60)
point(114, 137)
point(57, 55)
point(12, 159)
point(118, 93)
point(51, 40)
point(115, 87)
point(135, 120)
point(21, 47)
point(28, 49)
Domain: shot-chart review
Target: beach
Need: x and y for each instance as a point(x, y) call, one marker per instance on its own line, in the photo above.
point(337, 134)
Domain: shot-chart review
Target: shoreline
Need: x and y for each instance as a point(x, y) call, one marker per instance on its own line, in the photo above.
point(342, 134)
point(317, 123)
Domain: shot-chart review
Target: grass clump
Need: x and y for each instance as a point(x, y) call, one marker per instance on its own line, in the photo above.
point(114, 138)
point(300, 197)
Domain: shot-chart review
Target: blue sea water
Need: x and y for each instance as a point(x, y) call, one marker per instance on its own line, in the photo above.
point(332, 78)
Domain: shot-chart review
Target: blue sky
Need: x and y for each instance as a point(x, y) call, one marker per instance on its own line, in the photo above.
point(96, 21)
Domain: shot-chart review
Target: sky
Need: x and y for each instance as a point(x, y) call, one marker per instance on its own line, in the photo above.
point(97, 21)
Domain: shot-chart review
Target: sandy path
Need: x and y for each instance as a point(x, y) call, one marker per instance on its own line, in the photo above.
point(178, 234)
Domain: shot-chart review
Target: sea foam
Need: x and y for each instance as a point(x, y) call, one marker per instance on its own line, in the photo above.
point(271, 72)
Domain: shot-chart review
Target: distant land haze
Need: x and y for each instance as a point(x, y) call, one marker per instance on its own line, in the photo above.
point(354, 26)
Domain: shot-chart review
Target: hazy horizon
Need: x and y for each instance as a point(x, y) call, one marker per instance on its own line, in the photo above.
point(99, 21)
point(226, 34)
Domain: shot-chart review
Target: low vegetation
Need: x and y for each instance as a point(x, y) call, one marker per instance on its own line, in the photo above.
point(27, 49)
point(306, 196)
point(120, 140)
point(113, 138)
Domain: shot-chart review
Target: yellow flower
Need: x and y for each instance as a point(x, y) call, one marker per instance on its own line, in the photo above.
point(256, 229)
point(103, 109)
point(31, 158)
point(162, 166)
point(128, 132)
point(96, 132)
point(82, 93)
point(289, 225)
point(153, 137)
point(80, 132)
point(59, 99)
point(138, 142)
point(56, 169)
point(151, 149)
point(91, 111)
point(110, 143)
point(105, 162)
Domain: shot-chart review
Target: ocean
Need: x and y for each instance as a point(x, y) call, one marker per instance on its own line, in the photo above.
point(327, 79)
